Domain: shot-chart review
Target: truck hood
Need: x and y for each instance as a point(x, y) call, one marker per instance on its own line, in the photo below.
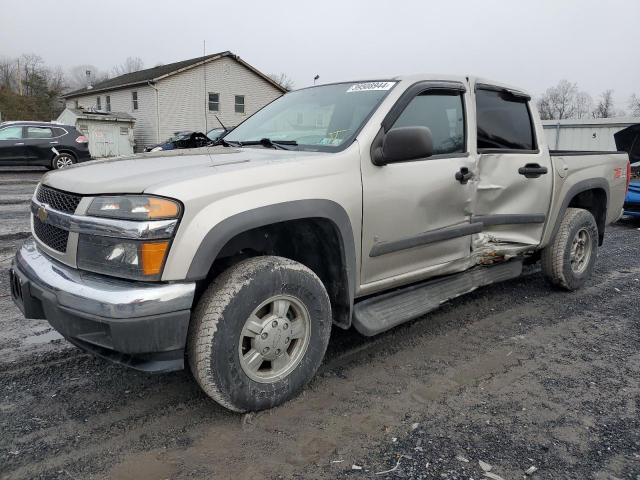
point(141, 172)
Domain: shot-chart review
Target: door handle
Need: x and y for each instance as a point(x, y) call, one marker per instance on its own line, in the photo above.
point(20, 143)
point(463, 175)
point(532, 170)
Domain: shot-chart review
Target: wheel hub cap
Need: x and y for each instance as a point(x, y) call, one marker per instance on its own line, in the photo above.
point(64, 162)
point(581, 250)
point(274, 339)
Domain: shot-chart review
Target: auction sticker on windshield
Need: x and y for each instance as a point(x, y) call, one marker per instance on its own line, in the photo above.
point(368, 86)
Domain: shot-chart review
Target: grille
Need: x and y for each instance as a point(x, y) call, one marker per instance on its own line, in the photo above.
point(52, 237)
point(62, 201)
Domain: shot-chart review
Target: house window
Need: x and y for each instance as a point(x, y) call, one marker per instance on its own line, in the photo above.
point(98, 103)
point(239, 103)
point(107, 101)
point(76, 104)
point(214, 102)
point(134, 100)
point(124, 130)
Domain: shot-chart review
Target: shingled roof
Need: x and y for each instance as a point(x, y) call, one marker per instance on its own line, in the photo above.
point(156, 73)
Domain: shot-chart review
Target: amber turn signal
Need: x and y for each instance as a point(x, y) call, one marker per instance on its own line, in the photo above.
point(152, 255)
point(162, 208)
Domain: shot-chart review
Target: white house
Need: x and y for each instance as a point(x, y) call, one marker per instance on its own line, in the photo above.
point(185, 95)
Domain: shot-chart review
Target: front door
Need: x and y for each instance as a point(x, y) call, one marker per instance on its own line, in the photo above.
point(515, 176)
point(12, 151)
point(416, 213)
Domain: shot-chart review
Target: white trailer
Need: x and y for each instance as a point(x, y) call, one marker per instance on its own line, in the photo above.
point(585, 134)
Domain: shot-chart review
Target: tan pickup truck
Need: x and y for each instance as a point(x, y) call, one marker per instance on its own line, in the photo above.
point(363, 204)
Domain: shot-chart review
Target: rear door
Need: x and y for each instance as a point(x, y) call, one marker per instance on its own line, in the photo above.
point(515, 177)
point(38, 143)
point(12, 150)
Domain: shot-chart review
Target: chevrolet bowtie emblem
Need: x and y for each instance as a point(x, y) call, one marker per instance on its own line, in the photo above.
point(42, 214)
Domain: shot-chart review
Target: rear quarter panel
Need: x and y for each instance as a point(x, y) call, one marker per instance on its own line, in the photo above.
point(577, 170)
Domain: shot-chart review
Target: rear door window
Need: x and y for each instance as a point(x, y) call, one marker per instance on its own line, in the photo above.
point(443, 114)
point(504, 122)
point(39, 132)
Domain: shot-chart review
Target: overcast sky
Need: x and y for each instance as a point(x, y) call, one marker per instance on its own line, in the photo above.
point(532, 44)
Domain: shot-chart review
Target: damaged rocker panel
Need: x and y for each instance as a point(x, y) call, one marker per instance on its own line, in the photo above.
point(477, 225)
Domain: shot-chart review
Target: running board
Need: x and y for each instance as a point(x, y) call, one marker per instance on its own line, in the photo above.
point(382, 312)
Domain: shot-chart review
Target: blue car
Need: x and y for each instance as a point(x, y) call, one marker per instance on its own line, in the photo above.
point(628, 140)
point(632, 201)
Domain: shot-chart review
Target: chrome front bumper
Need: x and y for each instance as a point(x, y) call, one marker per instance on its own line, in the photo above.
point(134, 323)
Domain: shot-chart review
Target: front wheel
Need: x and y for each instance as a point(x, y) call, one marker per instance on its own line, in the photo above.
point(570, 258)
point(62, 160)
point(259, 333)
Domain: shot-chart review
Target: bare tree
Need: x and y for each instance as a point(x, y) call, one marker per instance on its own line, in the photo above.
point(605, 107)
point(283, 80)
point(584, 105)
point(564, 101)
point(31, 71)
point(130, 65)
point(634, 105)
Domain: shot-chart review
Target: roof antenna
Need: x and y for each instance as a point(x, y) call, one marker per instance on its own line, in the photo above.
point(220, 122)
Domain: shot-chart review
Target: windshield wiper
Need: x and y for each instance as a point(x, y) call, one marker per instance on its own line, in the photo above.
point(268, 143)
point(227, 143)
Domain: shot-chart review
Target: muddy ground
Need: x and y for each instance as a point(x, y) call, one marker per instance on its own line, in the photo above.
point(517, 375)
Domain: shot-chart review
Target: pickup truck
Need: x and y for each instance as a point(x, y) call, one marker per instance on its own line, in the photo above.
point(358, 204)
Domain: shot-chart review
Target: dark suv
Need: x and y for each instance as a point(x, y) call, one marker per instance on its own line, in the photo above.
point(40, 143)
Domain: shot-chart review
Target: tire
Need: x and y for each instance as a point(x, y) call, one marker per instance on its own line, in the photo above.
point(219, 334)
point(62, 160)
point(570, 258)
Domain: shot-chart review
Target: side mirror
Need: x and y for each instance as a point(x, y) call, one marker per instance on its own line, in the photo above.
point(405, 143)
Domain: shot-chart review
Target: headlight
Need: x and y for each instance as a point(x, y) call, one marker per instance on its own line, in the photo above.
point(134, 207)
point(132, 259)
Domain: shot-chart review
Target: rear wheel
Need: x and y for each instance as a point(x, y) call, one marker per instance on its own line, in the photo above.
point(570, 258)
point(62, 160)
point(259, 333)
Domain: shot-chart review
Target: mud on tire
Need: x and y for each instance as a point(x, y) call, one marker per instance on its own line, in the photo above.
point(577, 233)
point(218, 332)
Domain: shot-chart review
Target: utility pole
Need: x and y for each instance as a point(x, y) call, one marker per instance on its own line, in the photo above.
point(204, 73)
point(19, 78)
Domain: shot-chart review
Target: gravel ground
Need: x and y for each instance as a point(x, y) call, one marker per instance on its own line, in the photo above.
point(516, 375)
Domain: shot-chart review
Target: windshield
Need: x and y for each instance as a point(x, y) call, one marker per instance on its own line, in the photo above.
point(317, 118)
point(215, 134)
point(178, 136)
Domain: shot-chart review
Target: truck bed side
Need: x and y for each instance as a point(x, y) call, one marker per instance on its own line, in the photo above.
point(601, 174)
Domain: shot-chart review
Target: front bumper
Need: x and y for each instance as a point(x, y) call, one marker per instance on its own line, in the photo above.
point(141, 325)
